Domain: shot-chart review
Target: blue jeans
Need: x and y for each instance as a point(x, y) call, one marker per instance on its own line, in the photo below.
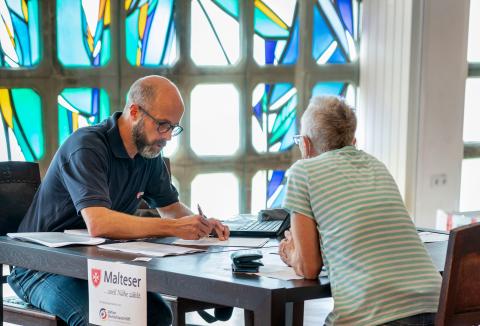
point(427, 319)
point(67, 297)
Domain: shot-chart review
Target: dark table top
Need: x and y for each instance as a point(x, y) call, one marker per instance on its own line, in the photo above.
point(203, 276)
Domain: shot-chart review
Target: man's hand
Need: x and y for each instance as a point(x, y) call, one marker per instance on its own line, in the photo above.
point(192, 227)
point(287, 248)
point(222, 231)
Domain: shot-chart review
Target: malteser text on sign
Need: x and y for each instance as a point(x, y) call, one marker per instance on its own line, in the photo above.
point(117, 293)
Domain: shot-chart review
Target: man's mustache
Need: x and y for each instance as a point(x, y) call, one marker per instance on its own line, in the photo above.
point(161, 143)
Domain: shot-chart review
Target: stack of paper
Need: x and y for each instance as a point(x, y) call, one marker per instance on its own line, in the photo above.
point(149, 248)
point(56, 239)
point(432, 236)
point(231, 242)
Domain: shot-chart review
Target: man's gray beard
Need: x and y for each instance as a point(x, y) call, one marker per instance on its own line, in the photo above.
point(145, 149)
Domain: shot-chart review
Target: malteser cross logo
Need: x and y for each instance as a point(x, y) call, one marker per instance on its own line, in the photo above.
point(96, 276)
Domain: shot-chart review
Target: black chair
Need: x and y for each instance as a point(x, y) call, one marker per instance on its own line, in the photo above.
point(460, 295)
point(18, 183)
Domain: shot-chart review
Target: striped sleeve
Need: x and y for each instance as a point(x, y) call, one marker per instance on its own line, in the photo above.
point(297, 198)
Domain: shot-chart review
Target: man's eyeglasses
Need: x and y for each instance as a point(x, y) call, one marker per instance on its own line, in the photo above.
point(296, 139)
point(164, 126)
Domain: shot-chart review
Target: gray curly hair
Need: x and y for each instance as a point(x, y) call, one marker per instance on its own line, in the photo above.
point(329, 122)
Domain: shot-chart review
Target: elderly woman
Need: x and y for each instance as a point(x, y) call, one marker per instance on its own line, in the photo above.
point(348, 215)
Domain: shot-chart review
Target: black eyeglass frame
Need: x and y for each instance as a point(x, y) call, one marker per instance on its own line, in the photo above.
point(163, 126)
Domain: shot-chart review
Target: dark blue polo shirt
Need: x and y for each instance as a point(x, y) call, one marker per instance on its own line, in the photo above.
point(92, 168)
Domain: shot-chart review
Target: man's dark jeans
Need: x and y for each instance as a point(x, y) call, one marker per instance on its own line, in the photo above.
point(67, 297)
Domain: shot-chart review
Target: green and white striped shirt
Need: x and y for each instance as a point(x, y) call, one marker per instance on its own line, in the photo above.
point(378, 268)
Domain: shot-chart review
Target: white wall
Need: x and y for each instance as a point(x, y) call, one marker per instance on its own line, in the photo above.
point(384, 83)
point(412, 76)
point(443, 72)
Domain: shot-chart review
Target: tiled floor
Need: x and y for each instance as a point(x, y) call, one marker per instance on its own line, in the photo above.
point(315, 313)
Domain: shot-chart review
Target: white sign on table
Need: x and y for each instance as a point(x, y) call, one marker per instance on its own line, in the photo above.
point(117, 293)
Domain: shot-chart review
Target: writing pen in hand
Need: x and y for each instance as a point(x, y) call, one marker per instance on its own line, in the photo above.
point(200, 212)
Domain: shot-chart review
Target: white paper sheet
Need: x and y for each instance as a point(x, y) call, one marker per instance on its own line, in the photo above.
point(56, 239)
point(432, 236)
point(279, 272)
point(149, 248)
point(77, 232)
point(231, 242)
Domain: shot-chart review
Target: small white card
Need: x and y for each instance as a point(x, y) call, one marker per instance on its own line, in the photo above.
point(117, 293)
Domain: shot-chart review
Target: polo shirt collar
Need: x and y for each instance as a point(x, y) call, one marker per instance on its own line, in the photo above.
point(113, 136)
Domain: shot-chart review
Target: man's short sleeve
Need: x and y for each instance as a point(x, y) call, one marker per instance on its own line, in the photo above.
point(85, 177)
point(160, 191)
point(297, 198)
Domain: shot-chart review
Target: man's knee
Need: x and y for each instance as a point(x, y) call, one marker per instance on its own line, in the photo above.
point(158, 311)
point(77, 318)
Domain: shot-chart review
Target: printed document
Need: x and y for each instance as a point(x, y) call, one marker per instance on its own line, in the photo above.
point(149, 248)
point(231, 242)
point(432, 236)
point(56, 239)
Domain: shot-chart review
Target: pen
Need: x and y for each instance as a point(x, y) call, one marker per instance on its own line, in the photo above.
point(200, 211)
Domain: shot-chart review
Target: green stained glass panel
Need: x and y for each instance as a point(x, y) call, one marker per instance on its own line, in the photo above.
point(150, 33)
point(215, 32)
point(19, 34)
point(83, 33)
point(274, 110)
point(275, 41)
point(21, 126)
point(80, 107)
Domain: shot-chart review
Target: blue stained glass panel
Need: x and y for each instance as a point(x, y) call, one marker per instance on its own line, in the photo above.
point(80, 107)
point(335, 31)
point(19, 33)
point(83, 33)
point(21, 126)
point(341, 89)
point(268, 189)
point(150, 32)
point(276, 35)
point(274, 109)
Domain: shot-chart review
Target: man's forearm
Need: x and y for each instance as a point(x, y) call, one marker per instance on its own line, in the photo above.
point(103, 222)
point(174, 210)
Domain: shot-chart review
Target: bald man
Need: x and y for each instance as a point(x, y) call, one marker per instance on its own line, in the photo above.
point(96, 181)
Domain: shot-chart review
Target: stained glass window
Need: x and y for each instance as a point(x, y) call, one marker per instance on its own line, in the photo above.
point(276, 32)
point(80, 107)
point(338, 89)
point(83, 32)
point(216, 193)
point(268, 189)
point(19, 33)
point(150, 32)
point(214, 116)
point(274, 109)
point(21, 127)
point(215, 32)
point(335, 31)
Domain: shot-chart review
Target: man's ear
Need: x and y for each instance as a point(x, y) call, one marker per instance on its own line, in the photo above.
point(134, 112)
point(354, 141)
point(308, 146)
